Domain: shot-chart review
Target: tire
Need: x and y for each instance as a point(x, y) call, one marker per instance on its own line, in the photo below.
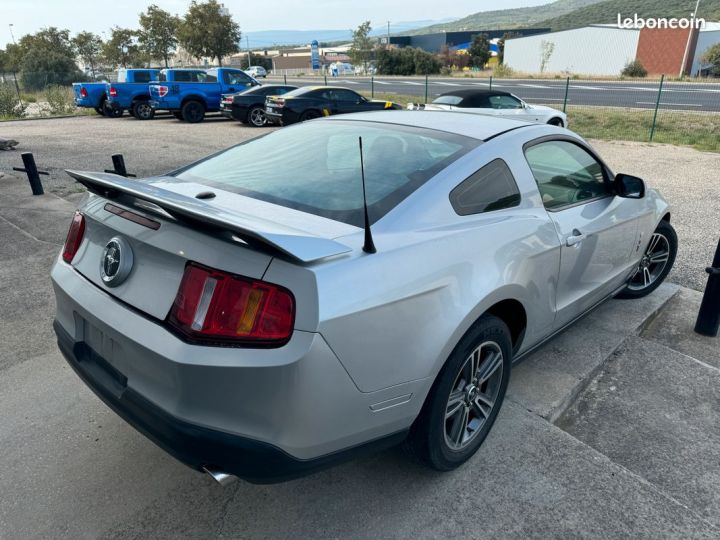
point(656, 263)
point(556, 122)
point(110, 112)
point(442, 440)
point(256, 116)
point(309, 115)
point(193, 112)
point(100, 110)
point(142, 110)
point(177, 114)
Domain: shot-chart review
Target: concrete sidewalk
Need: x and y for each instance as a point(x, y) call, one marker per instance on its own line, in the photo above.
point(609, 430)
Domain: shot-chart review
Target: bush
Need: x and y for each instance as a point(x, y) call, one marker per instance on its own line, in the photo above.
point(407, 61)
point(503, 71)
point(10, 107)
point(59, 99)
point(634, 69)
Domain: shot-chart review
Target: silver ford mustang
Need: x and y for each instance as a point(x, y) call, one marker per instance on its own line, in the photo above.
point(265, 312)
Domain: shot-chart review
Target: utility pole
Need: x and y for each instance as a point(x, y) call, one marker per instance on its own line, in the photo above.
point(388, 33)
point(247, 42)
point(686, 56)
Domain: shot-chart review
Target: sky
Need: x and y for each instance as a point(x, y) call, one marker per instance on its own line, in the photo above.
point(28, 16)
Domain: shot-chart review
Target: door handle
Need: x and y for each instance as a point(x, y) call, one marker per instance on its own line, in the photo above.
point(575, 238)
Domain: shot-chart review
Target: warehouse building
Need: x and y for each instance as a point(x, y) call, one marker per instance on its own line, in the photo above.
point(606, 49)
point(434, 43)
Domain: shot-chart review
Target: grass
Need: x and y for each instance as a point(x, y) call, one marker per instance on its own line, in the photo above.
point(698, 130)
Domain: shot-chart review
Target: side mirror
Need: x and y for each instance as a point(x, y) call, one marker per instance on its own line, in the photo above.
point(629, 187)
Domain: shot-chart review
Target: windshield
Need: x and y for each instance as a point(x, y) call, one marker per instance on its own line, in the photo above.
point(315, 167)
point(448, 100)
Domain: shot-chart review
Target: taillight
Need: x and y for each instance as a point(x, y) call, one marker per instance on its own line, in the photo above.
point(218, 307)
point(279, 102)
point(162, 90)
point(113, 91)
point(83, 92)
point(74, 237)
point(228, 99)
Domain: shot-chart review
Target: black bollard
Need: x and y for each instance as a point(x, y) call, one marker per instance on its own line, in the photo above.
point(708, 320)
point(119, 166)
point(32, 173)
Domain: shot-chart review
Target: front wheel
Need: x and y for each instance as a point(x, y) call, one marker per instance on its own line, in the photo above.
point(193, 112)
point(465, 398)
point(256, 117)
point(143, 111)
point(556, 122)
point(656, 263)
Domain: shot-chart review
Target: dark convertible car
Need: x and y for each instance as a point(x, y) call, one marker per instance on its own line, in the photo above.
point(315, 101)
point(249, 106)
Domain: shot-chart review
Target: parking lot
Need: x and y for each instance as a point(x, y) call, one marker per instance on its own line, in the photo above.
point(609, 430)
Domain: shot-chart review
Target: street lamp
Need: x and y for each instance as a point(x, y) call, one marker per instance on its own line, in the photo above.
point(11, 33)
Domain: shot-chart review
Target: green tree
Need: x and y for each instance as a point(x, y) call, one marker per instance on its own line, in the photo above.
point(546, 51)
point(49, 39)
point(158, 36)
point(256, 60)
point(43, 67)
point(208, 30)
point(13, 57)
point(479, 51)
point(88, 47)
point(711, 58)
point(361, 50)
point(122, 48)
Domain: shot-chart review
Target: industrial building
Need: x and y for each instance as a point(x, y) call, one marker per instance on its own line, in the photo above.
point(434, 43)
point(606, 49)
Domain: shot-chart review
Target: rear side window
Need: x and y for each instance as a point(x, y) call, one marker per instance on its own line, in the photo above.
point(491, 188)
point(141, 76)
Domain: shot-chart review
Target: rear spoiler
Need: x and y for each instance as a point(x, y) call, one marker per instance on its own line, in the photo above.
point(287, 241)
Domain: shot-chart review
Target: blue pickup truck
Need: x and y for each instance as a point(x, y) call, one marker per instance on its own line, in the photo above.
point(95, 95)
point(190, 93)
point(131, 92)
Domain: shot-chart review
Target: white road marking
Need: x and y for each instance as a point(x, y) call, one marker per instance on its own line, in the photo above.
point(589, 87)
point(412, 83)
point(382, 82)
point(348, 82)
point(445, 83)
point(534, 85)
point(669, 104)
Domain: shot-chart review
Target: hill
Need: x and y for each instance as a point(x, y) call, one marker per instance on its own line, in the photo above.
point(507, 18)
point(607, 12)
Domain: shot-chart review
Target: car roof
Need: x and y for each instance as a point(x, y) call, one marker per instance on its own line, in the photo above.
point(469, 125)
point(471, 92)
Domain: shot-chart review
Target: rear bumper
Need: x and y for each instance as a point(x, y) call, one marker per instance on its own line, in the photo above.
point(265, 415)
point(195, 445)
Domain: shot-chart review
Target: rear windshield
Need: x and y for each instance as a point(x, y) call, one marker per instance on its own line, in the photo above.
point(448, 100)
point(315, 167)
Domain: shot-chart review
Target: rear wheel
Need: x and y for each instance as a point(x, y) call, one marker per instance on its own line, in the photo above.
point(656, 263)
point(465, 398)
point(193, 112)
point(111, 112)
point(256, 116)
point(178, 115)
point(309, 115)
point(142, 110)
point(99, 110)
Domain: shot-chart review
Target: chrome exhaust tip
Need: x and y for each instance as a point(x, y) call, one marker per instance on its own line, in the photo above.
point(220, 477)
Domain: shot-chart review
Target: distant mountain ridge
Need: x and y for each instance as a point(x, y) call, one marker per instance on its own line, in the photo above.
point(270, 38)
point(607, 12)
point(507, 18)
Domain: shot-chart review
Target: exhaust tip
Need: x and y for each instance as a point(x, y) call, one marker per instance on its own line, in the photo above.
point(220, 477)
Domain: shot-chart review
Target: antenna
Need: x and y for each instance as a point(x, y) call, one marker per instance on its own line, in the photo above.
point(368, 246)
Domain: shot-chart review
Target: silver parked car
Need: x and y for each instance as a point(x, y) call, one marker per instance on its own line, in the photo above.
point(260, 321)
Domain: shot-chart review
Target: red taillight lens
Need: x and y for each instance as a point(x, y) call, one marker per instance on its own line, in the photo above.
point(279, 102)
point(228, 99)
point(74, 237)
point(163, 90)
point(83, 92)
point(215, 306)
point(113, 91)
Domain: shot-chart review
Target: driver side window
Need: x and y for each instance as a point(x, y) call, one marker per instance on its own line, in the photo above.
point(565, 173)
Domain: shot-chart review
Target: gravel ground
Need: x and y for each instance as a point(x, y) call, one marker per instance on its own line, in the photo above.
point(687, 178)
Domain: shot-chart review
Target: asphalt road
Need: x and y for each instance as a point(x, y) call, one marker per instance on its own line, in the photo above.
point(696, 97)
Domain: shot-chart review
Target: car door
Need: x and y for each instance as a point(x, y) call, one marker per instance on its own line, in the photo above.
point(597, 231)
point(347, 101)
point(507, 105)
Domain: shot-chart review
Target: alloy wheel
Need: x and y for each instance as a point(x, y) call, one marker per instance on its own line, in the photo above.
point(257, 117)
point(652, 263)
point(474, 395)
